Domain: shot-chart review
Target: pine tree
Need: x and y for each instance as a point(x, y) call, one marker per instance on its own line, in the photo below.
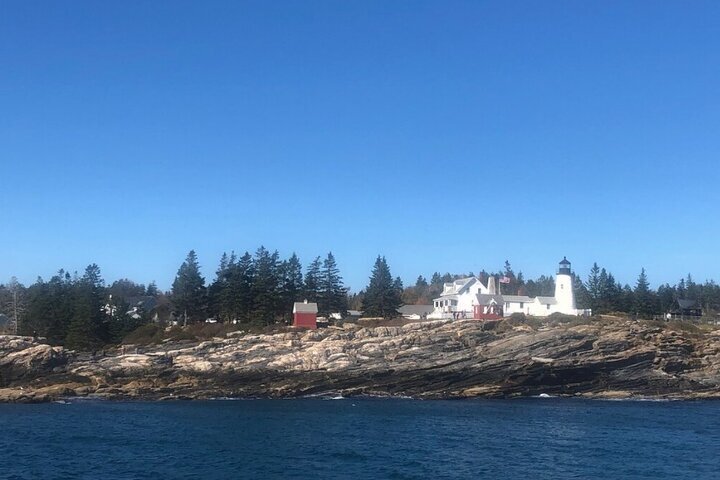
point(593, 287)
point(189, 295)
point(152, 290)
point(582, 297)
point(382, 297)
point(89, 326)
point(240, 290)
point(313, 277)
point(292, 285)
point(218, 295)
point(333, 295)
point(644, 301)
point(265, 287)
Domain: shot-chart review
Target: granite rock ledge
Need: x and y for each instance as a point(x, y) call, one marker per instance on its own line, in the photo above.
point(440, 359)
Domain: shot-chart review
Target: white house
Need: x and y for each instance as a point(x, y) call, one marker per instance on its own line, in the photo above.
point(469, 298)
point(459, 296)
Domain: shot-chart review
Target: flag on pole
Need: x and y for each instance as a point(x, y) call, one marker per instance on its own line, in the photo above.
point(505, 280)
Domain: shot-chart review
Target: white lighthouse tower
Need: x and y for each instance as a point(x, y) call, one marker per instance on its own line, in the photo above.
point(564, 289)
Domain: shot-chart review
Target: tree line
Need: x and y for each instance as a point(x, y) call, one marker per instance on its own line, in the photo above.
point(257, 289)
point(600, 291)
point(82, 312)
point(604, 294)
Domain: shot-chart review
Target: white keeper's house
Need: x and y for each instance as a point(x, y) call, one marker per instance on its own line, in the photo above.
point(469, 298)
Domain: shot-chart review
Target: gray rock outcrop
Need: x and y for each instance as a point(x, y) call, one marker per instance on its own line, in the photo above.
point(429, 360)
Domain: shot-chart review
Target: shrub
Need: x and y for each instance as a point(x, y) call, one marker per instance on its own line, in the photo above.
point(144, 335)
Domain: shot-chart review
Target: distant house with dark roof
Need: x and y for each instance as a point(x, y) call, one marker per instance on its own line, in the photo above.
point(687, 308)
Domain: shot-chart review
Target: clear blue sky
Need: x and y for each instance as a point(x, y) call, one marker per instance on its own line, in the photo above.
point(447, 136)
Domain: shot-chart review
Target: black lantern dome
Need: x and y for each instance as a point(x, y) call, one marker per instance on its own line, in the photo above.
point(564, 267)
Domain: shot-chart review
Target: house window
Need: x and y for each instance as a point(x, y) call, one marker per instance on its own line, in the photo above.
point(548, 306)
point(522, 304)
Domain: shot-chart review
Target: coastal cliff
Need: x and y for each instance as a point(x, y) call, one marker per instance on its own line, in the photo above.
point(442, 359)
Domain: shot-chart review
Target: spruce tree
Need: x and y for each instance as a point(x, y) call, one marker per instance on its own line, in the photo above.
point(582, 298)
point(265, 287)
point(382, 297)
point(644, 301)
point(88, 329)
point(152, 290)
point(333, 295)
point(219, 296)
point(292, 285)
point(593, 287)
point(313, 278)
point(242, 288)
point(188, 294)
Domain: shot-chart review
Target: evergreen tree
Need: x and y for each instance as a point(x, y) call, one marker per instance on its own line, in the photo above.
point(265, 287)
point(666, 298)
point(292, 285)
point(219, 294)
point(421, 282)
point(152, 290)
point(382, 297)
point(89, 326)
point(333, 295)
point(582, 297)
point(125, 288)
point(188, 294)
point(313, 279)
point(644, 301)
point(593, 287)
point(242, 288)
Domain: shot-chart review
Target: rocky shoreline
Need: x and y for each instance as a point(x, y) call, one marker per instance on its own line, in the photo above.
point(431, 360)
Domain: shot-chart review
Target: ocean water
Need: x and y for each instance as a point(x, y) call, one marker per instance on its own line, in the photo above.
point(361, 438)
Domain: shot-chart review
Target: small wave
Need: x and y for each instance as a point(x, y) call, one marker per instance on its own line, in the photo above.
point(325, 396)
point(635, 399)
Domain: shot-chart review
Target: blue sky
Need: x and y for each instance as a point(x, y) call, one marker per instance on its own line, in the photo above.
point(447, 136)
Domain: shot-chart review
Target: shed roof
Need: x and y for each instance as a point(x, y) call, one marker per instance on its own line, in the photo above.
point(486, 299)
point(547, 300)
point(302, 307)
point(687, 304)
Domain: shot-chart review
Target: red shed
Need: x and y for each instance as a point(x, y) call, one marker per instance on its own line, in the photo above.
point(305, 315)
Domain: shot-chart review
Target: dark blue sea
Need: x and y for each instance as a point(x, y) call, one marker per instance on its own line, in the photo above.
point(361, 438)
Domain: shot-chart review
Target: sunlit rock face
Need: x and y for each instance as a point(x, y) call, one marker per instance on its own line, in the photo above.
point(439, 359)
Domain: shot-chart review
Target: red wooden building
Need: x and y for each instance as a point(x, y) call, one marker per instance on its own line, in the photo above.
point(305, 315)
